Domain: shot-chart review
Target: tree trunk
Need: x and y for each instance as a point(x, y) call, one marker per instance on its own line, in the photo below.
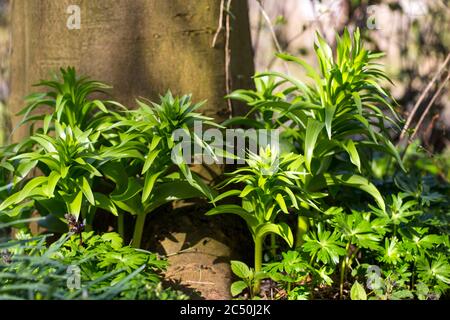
point(142, 48)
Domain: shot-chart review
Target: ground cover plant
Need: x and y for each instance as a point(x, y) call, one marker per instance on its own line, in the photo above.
point(335, 210)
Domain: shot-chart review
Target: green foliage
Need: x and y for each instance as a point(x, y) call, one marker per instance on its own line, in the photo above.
point(86, 147)
point(358, 292)
point(32, 269)
point(291, 270)
point(69, 100)
point(270, 186)
point(324, 246)
point(322, 119)
point(249, 278)
point(370, 225)
point(337, 129)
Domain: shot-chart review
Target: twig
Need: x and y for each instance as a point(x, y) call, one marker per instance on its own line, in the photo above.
point(181, 251)
point(228, 84)
point(272, 32)
point(258, 33)
point(430, 104)
point(220, 27)
point(313, 4)
point(421, 98)
point(269, 23)
point(200, 282)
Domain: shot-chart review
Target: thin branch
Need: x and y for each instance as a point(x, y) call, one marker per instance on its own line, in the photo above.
point(269, 23)
point(272, 32)
point(258, 33)
point(422, 97)
point(200, 282)
point(220, 27)
point(436, 95)
point(228, 84)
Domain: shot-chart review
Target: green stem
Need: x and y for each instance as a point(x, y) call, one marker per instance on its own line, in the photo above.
point(413, 276)
point(302, 229)
point(258, 261)
point(121, 225)
point(273, 245)
point(350, 260)
point(138, 230)
point(343, 267)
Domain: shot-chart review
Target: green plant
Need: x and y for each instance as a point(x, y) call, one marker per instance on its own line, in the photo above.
point(93, 156)
point(161, 174)
point(336, 121)
point(270, 187)
point(358, 292)
point(292, 273)
point(249, 279)
point(357, 231)
point(70, 101)
point(65, 147)
point(68, 162)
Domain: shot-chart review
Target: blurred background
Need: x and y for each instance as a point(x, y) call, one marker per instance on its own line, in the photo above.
point(414, 34)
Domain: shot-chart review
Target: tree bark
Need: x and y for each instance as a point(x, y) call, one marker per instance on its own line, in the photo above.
point(142, 48)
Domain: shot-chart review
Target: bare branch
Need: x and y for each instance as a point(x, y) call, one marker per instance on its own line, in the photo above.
point(220, 27)
point(436, 95)
point(422, 97)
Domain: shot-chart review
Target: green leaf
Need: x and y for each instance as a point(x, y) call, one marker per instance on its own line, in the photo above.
point(86, 189)
point(226, 194)
point(324, 245)
point(100, 105)
point(53, 179)
point(115, 172)
point(350, 180)
point(241, 269)
point(292, 197)
point(105, 203)
point(114, 238)
point(280, 200)
point(150, 179)
point(357, 292)
point(155, 142)
point(31, 189)
point(329, 115)
point(235, 209)
point(239, 121)
point(169, 191)
point(248, 188)
point(73, 202)
point(45, 142)
point(132, 188)
point(47, 120)
point(350, 147)
point(358, 103)
point(281, 229)
point(313, 130)
point(237, 287)
point(25, 167)
point(150, 159)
